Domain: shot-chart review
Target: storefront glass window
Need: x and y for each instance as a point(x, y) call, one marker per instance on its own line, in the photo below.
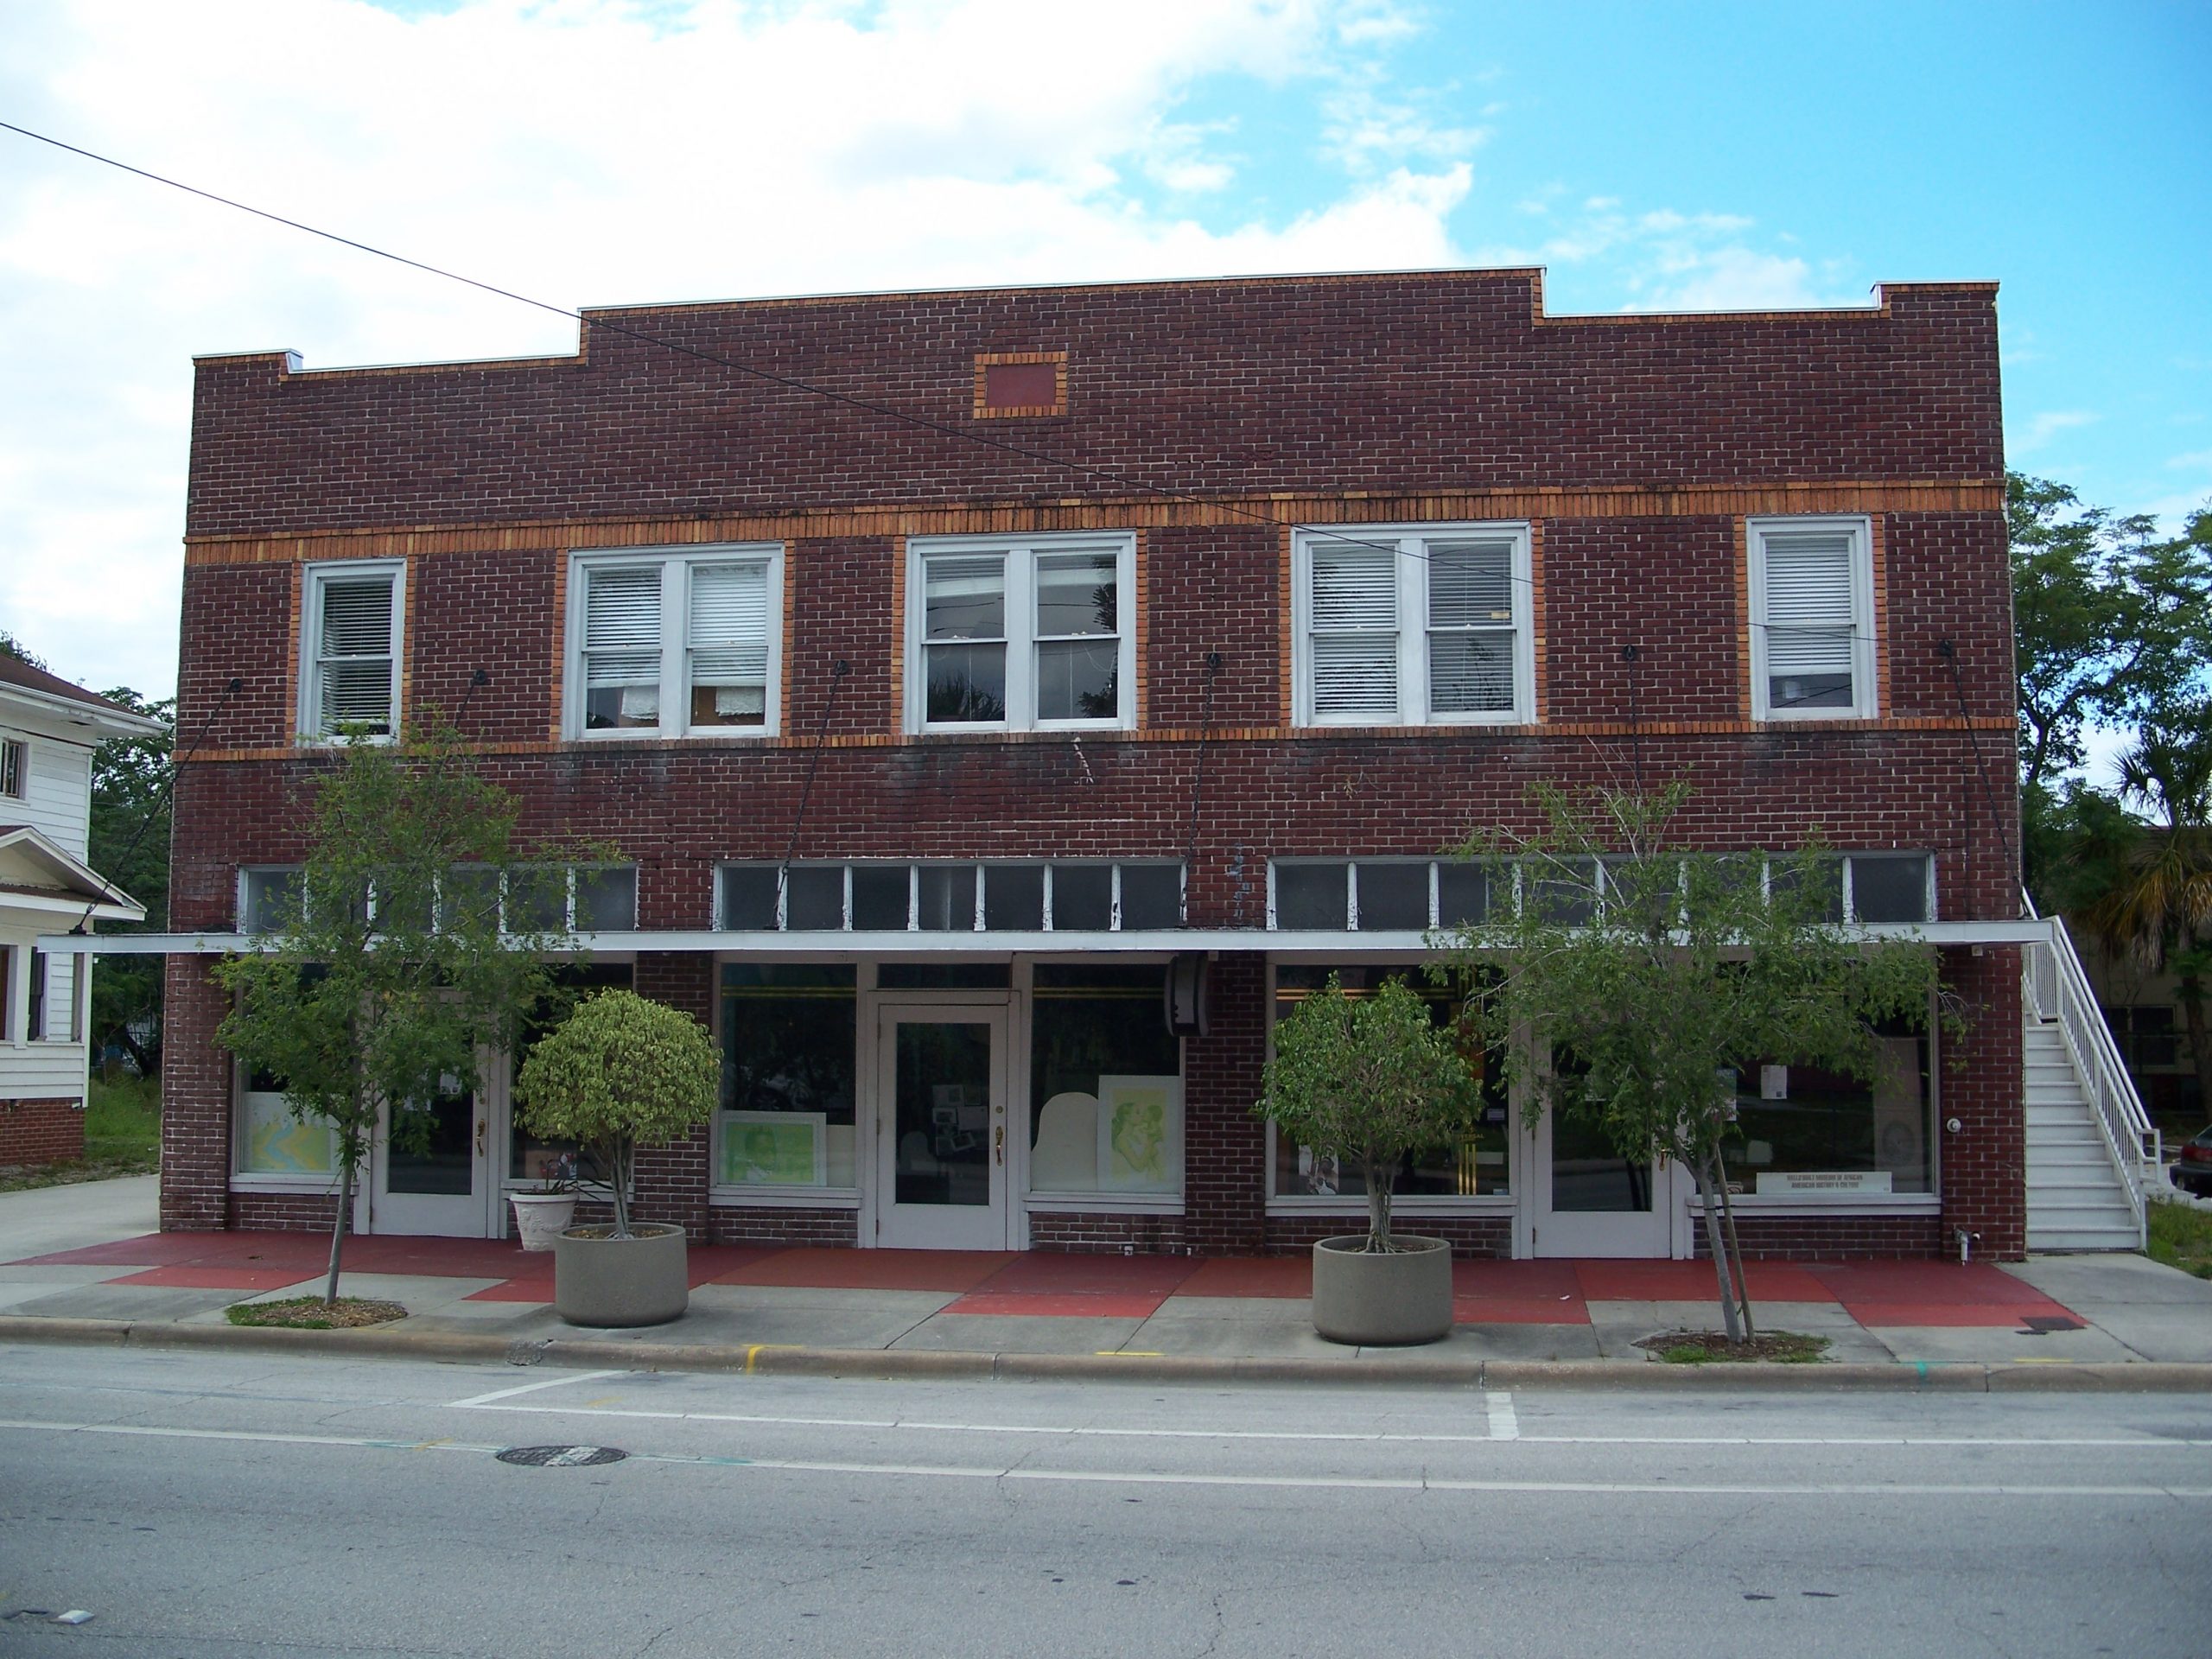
point(1106, 1093)
point(789, 1035)
point(1479, 1166)
point(1800, 1130)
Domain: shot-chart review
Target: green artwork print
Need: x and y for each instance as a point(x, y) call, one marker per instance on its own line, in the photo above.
point(1137, 1126)
point(284, 1146)
point(772, 1149)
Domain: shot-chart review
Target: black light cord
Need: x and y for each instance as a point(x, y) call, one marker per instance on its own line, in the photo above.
point(231, 688)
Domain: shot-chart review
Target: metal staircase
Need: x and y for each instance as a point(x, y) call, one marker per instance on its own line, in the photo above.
point(2092, 1151)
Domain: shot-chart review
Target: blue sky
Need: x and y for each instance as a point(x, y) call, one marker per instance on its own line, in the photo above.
point(595, 151)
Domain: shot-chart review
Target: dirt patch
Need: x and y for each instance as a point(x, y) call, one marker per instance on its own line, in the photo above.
point(309, 1312)
point(1712, 1347)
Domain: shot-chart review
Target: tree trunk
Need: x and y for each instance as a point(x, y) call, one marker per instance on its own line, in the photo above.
point(1740, 1274)
point(337, 1222)
point(620, 1159)
point(1719, 1246)
point(1381, 1177)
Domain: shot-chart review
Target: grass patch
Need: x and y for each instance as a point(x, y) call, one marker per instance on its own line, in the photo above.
point(1713, 1348)
point(2181, 1237)
point(123, 1122)
point(309, 1313)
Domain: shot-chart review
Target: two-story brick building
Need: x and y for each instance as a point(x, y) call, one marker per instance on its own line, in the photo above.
point(969, 681)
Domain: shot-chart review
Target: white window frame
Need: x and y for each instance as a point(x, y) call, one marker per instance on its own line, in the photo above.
point(1413, 630)
point(314, 578)
point(675, 565)
point(1860, 529)
point(1021, 553)
point(15, 768)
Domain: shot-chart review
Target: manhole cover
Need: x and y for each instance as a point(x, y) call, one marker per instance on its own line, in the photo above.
point(561, 1456)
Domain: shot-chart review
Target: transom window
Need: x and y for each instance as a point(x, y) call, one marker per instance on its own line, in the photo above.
point(670, 645)
point(1400, 625)
point(1812, 603)
point(1021, 635)
point(351, 649)
point(1059, 898)
point(1413, 894)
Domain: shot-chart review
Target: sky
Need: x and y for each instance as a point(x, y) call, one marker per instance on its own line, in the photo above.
point(596, 152)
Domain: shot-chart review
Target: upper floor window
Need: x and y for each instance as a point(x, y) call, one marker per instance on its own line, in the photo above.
point(1413, 625)
point(1812, 600)
point(352, 648)
point(1018, 635)
point(665, 644)
point(15, 769)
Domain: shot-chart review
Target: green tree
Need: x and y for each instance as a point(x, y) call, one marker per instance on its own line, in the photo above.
point(1628, 998)
point(388, 973)
point(130, 847)
point(2152, 882)
point(1368, 1080)
point(619, 1073)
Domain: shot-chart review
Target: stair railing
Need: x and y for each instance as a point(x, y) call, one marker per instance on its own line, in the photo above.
point(2058, 991)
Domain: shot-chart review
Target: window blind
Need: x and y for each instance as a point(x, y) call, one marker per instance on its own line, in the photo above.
point(353, 652)
point(1808, 603)
point(622, 627)
point(729, 624)
point(1355, 627)
point(1470, 627)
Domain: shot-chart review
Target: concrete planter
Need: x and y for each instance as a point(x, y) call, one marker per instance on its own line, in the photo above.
point(600, 1280)
point(540, 1218)
point(1379, 1300)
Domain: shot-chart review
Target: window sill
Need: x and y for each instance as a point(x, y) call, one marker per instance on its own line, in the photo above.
point(1501, 1204)
point(1826, 1203)
point(323, 1187)
point(781, 1197)
point(1124, 1203)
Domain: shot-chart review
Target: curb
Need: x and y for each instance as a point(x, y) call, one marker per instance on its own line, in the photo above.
point(593, 1353)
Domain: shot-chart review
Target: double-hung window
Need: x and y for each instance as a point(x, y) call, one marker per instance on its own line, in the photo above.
point(1022, 634)
point(1413, 625)
point(665, 644)
point(1812, 603)
point(352, 648)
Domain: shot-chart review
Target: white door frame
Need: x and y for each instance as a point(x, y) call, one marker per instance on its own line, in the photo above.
point(881, 1013)
point(478, 1213)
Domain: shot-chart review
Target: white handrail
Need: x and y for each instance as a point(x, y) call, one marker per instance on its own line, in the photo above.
point(2057, 990)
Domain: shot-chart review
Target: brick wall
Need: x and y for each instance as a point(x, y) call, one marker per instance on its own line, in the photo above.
point(1985, 1165)
point(1224, 1146)
point(1832, 1238)
point(671, 1180)
point(41, 1132)
point(196, 1102)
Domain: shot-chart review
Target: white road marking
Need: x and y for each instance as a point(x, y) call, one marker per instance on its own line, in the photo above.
point(1101, 1477)
point(1503, 1424)
point(563, 1381)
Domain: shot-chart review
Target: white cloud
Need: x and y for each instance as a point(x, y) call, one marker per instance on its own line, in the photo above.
point(2042, 427)
point(2199, 460)
point(592, 152)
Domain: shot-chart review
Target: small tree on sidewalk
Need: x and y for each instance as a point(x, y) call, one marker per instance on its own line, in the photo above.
point(1624, 979)
point(388, 970)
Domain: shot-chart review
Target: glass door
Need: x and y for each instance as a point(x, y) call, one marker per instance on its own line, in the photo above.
point(1591, 1201)
point(941, 1092)
point(439, 1184)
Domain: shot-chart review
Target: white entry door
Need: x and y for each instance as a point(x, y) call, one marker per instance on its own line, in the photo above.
point(444, 1187)
point(1588, 1200)
point(941, 1126)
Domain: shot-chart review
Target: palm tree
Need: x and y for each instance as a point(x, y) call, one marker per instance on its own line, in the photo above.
point(2158, 908)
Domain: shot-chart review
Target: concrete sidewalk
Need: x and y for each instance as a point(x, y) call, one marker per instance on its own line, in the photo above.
point(2057, 1321)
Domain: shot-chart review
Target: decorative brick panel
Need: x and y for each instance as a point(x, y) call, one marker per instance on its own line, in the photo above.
point(34, 1132)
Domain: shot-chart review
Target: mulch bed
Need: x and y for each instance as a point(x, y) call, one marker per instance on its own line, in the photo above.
point(309, 1313)
point(1709, 1347)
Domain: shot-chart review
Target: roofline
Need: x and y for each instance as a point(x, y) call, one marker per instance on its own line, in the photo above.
point(291, 364)
point(91, 709)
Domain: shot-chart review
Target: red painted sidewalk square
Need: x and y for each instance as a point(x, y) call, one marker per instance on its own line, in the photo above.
point(1286, 1276)
point(515, 1290)
point(1960, 1314)
point(1519, 1310)
point(824, 1270)
point(1053, 1274)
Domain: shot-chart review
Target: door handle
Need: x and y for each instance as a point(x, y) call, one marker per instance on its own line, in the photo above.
point(480, 1137)
point(998, 1145)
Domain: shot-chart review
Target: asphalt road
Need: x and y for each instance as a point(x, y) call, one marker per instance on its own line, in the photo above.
point(231, 1504)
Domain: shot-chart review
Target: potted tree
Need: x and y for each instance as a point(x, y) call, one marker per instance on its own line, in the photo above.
point(619, 1073)
point(1367, 1081)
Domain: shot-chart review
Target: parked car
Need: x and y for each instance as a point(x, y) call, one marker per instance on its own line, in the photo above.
point(2194, 1172)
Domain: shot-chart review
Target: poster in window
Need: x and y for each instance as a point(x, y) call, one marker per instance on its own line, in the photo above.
point(1140, 1129)
point(774, 1148)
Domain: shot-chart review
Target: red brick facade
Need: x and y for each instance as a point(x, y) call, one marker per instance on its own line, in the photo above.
point(1208, 418)
point(34, 1132)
